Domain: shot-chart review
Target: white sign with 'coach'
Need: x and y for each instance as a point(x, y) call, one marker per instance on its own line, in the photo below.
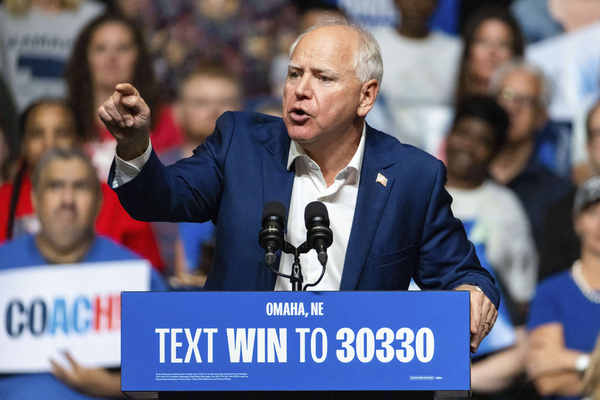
point(48, 310)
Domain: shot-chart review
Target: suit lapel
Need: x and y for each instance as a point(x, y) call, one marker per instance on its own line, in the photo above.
point(277, 180)
point(372, 198)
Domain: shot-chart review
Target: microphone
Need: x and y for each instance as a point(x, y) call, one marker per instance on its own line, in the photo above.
point(271, 236)
point(318, 235)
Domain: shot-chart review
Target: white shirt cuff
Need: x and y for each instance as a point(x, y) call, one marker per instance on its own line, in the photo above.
point(125, 171)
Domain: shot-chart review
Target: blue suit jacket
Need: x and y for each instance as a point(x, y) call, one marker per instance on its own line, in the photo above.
point(401, 230)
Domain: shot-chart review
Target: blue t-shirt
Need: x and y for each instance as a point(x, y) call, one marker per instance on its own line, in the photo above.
point(21, 253)
point(558, 299)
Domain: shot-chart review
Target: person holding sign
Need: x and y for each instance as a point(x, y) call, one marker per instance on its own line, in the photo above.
point(66, 196)
point(390, 214)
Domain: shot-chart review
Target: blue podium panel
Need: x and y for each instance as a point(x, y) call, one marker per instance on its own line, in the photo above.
point(277, 341)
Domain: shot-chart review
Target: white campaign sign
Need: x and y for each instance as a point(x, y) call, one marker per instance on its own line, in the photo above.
point(48, 310)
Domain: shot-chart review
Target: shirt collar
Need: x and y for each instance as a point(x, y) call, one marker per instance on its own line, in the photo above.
point(297, 151)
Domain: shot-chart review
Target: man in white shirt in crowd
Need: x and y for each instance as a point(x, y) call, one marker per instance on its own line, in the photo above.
point(421, 68)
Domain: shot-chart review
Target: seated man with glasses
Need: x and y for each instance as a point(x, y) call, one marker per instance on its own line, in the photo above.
point(522, 89)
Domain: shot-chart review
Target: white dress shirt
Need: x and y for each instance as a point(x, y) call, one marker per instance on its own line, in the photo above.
point(309, 185)
point(340, 200)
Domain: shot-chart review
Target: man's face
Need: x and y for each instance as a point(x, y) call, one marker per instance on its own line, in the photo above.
point(47, 126)
point(593, 143)
point(322, 95)
point(469, 149)
point(67, 202)
point(419, 10)
point(519, 95)
point(203, 100)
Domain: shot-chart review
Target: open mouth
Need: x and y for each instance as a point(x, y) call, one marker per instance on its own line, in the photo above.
point(298, 115)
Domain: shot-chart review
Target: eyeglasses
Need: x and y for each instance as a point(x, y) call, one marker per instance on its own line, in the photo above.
point(509, 94)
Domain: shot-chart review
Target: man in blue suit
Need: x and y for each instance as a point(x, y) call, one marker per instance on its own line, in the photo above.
point(389, 211)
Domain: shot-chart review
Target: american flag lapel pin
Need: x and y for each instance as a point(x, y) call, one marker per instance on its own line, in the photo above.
point(381, 179)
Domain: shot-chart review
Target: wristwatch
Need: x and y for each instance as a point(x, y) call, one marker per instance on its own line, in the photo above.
point(582, 362)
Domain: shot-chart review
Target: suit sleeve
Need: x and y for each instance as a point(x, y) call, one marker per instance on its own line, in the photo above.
point(187, 191)
point(447, 258)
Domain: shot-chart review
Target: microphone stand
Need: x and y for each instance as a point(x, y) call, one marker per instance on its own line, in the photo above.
point(296, 278)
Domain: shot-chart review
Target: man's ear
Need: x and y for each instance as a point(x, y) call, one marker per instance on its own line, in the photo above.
point(368, 94)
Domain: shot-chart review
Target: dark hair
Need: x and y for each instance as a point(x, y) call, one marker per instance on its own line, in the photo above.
point(55, 101)
point(22, 165)
point(305, 6)
point(8, 129)
point(9, 142)
point(475, 21)
point(79, 80)
point(487, 109)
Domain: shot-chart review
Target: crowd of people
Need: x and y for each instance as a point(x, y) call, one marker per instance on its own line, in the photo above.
point(508, 100)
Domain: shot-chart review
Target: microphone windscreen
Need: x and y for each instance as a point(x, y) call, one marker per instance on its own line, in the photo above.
point(316, 209)
point(273, 209)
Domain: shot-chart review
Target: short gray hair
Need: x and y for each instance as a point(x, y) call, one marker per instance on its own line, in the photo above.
point(519, 64)
point(368, 62)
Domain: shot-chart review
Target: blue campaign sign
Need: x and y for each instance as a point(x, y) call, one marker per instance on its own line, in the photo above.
point(276, 341)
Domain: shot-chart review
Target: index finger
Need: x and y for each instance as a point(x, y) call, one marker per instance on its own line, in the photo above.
point(126, 89)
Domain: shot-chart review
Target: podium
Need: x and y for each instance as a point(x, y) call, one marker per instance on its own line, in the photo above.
point(180, 345)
